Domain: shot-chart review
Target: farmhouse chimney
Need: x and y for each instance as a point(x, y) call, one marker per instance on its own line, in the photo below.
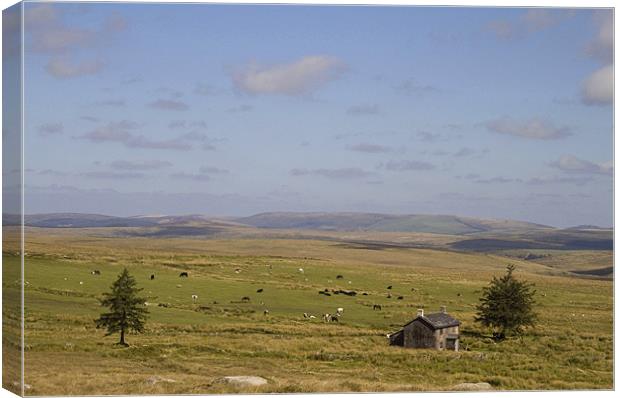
point(420, 312)
point(443, 309)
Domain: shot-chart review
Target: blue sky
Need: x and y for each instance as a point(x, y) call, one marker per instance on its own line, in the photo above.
point(234, 110)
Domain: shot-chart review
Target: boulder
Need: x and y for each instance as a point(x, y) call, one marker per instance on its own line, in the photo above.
point(158, 379)
point(244, 381)
point(472, 387)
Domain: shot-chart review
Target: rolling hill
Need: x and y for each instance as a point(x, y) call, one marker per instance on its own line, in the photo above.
point(440, 224)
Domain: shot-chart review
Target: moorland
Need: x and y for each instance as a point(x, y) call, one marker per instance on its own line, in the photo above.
point(189, 345)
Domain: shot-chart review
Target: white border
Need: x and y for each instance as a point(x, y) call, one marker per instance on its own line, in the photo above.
point(475, 3)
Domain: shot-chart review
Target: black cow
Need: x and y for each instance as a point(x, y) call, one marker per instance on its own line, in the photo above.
point(96, 272)
point(376, 307)
point(399, 298)
point(389, 287)
point(339, 276)
point(152, 276)
point(245, 299)
point(259, 291)
point(183, 275)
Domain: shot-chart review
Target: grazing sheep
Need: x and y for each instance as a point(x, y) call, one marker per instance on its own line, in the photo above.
point(259, 291)
point(194, 298)
point(183, 275)
point(376, 307)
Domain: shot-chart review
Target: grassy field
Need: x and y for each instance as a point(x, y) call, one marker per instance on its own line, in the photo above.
point(195, 344)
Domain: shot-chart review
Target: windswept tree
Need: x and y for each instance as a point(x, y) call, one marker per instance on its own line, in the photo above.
point(507, 305)
point(127, 310)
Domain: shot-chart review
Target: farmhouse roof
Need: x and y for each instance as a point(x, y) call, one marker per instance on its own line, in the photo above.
point(437, 320)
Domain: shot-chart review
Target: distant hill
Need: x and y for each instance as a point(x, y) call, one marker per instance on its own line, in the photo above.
point(440, 224)
point(77, 220)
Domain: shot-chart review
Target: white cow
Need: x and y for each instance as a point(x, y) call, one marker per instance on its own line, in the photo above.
point(301, 270)
point(194, 298)
point(340, 310)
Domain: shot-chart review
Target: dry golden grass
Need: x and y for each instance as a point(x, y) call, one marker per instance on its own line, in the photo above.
point(570, 349)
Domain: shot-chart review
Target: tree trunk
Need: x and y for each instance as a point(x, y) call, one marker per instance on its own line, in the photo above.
point(122, 342)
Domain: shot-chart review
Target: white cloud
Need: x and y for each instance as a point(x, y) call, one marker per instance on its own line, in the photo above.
point(407, 165)
point(360, 110)
point(598, 88)
point(51, 128)
point(602, 46)
point(63, 68)
point(48, 33)
point(171, 105)
point(369, 148)
point(536, 128)
point(297, 78)
point(339, 174)
point(573, 164)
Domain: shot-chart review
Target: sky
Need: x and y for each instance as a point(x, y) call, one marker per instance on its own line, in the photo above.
point(232, 110)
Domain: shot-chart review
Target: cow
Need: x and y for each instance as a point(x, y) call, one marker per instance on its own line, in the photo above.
point(334, 318)
point(245, 299)
point(339, 276)
point(399, 298)
point(376, 307)
point(183, 275)
point(266, 312)
point(194, 298)
point(389, 287)
point(259, 291)
point(389, 295)
point(364, 294)
point(96, 272)
point(152, 276)
point(301, 270)
point(339, 311)
point(306, 315)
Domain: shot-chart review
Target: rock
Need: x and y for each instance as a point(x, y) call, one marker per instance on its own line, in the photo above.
point(158, 379)
point(244, 381)
point(472, 387)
